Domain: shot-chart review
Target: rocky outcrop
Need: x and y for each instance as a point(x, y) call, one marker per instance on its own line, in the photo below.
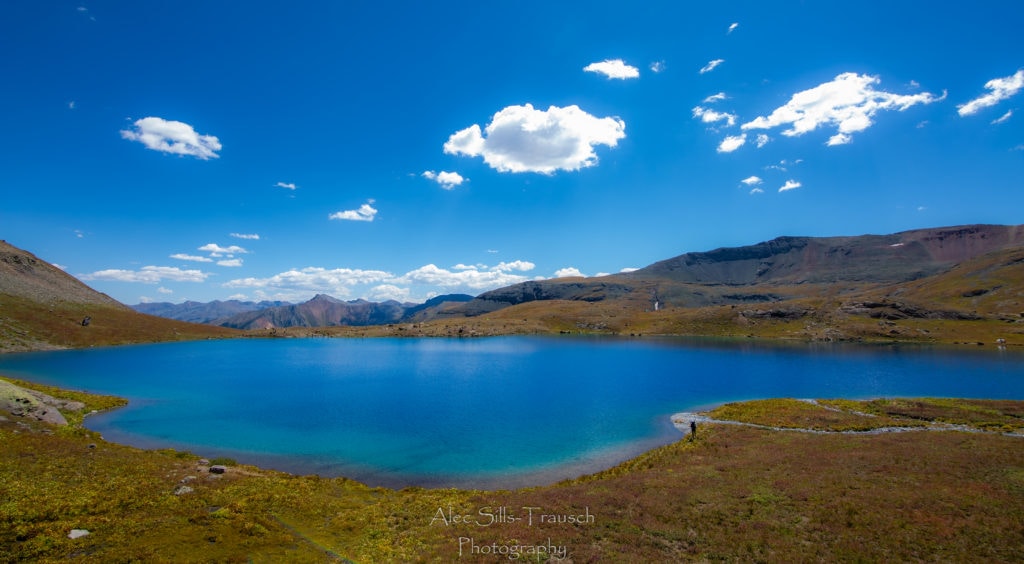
point(31, 404)
point(899, 310)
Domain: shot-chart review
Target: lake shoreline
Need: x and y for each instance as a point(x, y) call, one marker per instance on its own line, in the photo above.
point(711, 489)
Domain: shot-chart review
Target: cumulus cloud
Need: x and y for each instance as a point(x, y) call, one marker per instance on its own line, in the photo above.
point(613, 68)
point(386, 292)
point(628, 269)
point(230, 262)
point(756, 191)
point(790, 185)
point(732, 142)
point(366, 212)
point(657, 66)
point(252, 236)
point(286, 185)
point(336, 281)
point(192, 258)
point(762, 140)
point(163, 290)
point(715, 98)
point(523, 139)
point(711, 116)
point(148, 275)
point(732, 27)
point(174, 137)
point(1001, 89)
point(297, 284)
point(752, 180)
point(711, 65)
point(520, 265)
point(447, 180)
point(477, 279)
point(848, 102)
point(216, 250)
point(568, 272)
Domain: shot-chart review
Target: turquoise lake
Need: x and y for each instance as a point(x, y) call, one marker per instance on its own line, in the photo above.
point(494, 412)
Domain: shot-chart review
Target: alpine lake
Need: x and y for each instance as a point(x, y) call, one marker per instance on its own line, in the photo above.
point(499, 412)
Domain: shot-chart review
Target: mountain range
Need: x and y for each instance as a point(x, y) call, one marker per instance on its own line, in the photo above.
point(951, 284)
point(320, 311)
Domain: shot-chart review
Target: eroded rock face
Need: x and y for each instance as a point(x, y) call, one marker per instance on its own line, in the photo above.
point(30, 404)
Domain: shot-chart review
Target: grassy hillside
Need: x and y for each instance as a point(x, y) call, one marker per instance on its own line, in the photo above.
point(42, 307)
point(734, 493)
point(27, 325)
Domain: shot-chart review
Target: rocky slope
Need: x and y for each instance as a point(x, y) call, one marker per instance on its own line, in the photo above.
point(771, 271)
point(43, 307)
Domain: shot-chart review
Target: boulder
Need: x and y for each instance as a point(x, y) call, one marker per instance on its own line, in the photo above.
point(218, 469)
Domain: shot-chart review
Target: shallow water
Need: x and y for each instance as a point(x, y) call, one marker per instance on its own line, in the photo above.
point(495, 412)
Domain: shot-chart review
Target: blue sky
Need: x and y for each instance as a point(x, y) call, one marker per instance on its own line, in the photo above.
point(399, 150)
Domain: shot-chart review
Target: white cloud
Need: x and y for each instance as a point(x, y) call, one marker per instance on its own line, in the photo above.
point(628, 269)
point(567, 272)
point(731, 143)
point(756, 191)
point(1003, 119)
point(657, 66)
point(230, 262)
point(715, 98)
point(1001, 89)
point(252, 236)
point(847, 102)
point(711, 65)
point(148, 275)
point(476, 279)
point(790, 185)
point(447, 180)
point(366, 212)
point(286, 185)
point(520, 265)
point(336, 282)
point(386, 292)
point(163, 290)
point(839, 139)
point(613, 68)
point(732, 27)
point(71, 105)
point(216, 250)
point(762, 140)
point(193, 258)
point(523, 139)
point(173, 137)
point(752, 180)
point(711, 116)
point(299, 284)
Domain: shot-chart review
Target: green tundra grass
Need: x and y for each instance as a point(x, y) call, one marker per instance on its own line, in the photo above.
point(733, 493)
